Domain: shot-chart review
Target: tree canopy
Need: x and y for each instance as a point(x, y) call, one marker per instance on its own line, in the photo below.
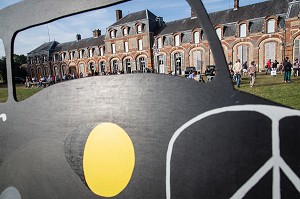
point(18, 60)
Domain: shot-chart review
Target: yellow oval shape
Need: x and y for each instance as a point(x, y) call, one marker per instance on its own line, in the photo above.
point(108, 160)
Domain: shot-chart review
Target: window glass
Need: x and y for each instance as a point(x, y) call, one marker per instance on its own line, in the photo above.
point(196, 37)
point(219, 32)
point(177, 40)
point(243, 30)
point(126, 46)
point(140, 43)
point(159, 43)
point(113, 48)
point(271, 26)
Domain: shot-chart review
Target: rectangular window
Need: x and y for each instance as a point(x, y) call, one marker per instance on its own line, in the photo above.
point(113, 48)
point(139, 28)
point(196, 37)
point(219, 33)
point(91, 52)
point(177, 41)
point(125, 31)
point(112, 34)
point(80, 54)
point(126, 46)
point(243, 30)
point(297, 49)
point(101, 51)
point(159, 43)
point(271, 26)
point(140, 44)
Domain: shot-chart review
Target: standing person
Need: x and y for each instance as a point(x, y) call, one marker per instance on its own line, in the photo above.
point(274, 67)
point(252, 73)
point(287, 70)
point(268, 66)
point(237, 67)
point(296, 67)
point(245, 68)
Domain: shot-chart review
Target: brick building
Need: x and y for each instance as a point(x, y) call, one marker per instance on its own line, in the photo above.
point(142, 41)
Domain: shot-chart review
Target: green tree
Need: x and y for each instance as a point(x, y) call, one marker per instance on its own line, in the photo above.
point(18, 60)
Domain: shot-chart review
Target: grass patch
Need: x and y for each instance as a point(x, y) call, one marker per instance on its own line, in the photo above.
point(274, 89)
point(22, 92)
point(271, 88)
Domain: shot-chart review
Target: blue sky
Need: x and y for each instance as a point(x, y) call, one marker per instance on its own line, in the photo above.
point(64, 30)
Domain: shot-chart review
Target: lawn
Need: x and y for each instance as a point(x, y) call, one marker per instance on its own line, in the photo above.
point(271, 88)
point(22, 92)
point(274, 89)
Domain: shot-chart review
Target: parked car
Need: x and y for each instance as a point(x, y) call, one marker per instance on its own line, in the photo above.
point(189, 70)
point(19, 80)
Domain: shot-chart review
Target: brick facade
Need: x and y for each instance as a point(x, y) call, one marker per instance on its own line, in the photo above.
point(144, 42)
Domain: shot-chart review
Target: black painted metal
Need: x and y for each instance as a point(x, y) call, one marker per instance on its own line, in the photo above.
point(42, 140)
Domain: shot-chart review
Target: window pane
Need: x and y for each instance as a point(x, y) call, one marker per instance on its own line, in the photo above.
point(140, 44)
point(196, 37)
point(177, 40)
point(218, 31)
point(243, 30)
point(113, 48)
point(126, 46)
point(271, 26)
point(296, 49)
point(159, 43)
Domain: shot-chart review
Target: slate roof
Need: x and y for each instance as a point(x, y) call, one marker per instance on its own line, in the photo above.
point(179, 26)
point(225, 17)
point(83, 43)
point(258, 10)
point(136, 16)
point(44, 47)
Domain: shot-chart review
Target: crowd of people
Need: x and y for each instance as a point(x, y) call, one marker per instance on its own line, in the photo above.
point(45, 81)
point(272, 67)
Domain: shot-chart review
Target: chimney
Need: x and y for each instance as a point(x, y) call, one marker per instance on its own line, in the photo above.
point(236, 4)
point(96, 33)
point(78, 37)
point(193, 14)
point(118, 14)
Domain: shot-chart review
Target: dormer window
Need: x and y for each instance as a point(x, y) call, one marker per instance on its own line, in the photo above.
point(219, 33)
point(177, 40)
point(271, 26)
point(159, 43)
point(125, 30)
point(112, 34)
point(196, 36)
point(139, 27)
point(243, 30)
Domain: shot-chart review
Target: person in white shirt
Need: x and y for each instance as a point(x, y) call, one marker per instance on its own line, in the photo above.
point(237, 68)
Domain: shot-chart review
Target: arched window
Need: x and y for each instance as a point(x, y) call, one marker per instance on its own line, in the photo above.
point(270, 50)
point(297, 49)
point(219, 33)
point(271, 26)
point(196, 37)
point(243, 28)
point(242, 53)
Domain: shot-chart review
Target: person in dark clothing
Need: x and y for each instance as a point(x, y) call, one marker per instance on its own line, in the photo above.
point(287, 70)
